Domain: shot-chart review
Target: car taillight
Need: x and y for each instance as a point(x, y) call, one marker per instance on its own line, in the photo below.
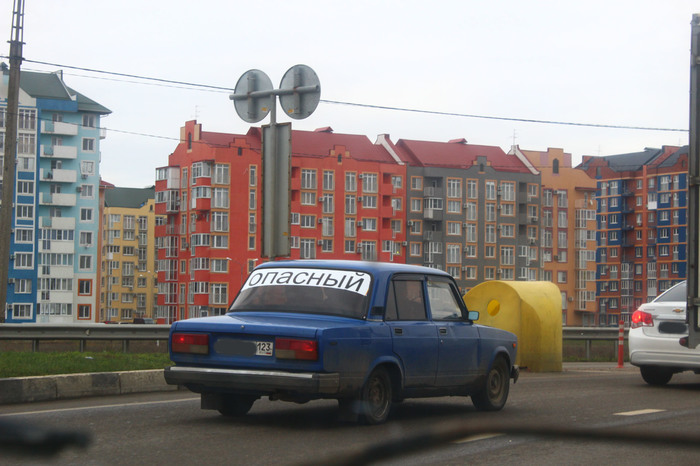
point(641, 319)
point(196, 343)
point(288, 348)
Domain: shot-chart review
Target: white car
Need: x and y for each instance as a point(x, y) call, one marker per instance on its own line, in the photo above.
point(654, 337)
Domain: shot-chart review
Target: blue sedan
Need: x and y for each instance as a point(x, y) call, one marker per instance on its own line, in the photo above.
point(365, 333)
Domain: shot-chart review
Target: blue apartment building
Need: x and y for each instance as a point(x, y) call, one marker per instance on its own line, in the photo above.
point(641, 227)
point(54, 262)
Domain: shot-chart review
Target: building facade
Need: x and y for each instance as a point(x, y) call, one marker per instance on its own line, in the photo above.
point(472, 211)
point(55, 222)
point(567, 233)
point(346, 201)
point(468, 209)
point(642, 227)
point(127, 270)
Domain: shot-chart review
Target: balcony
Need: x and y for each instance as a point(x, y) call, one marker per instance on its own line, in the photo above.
point(58, 223)
point(57, 199)
point(433, 191)
point(57, 247)
point(59, 127)
point(58, 175)
point(59, 152)
point(55, 271)
point(432, 214)
point(201, 203)
point(387, 211)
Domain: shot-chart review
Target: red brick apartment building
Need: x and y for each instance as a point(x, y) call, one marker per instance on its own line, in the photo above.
point(347, 197)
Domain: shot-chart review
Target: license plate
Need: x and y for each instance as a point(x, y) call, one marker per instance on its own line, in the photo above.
point(263, 348)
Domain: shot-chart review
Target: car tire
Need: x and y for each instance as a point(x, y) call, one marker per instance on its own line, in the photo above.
point(375, 398)
point(494, 393)
point(236, 406)
point(655, 375)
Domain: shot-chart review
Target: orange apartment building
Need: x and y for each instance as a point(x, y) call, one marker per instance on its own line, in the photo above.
point(568, 229)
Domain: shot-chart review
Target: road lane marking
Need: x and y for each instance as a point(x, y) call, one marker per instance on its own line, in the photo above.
point(640, 412)
point(474, 438)
point(83, 408)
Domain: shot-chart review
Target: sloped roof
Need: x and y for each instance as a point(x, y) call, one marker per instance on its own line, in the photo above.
point(129, 197)
point(51, 86)
point(86, 104)
point(458, 154)
point(218, 139)
point(627, 162)
point(672, 158)
point(319, 143)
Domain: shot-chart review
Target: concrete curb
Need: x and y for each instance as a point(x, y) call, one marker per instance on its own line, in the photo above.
point(59, 387)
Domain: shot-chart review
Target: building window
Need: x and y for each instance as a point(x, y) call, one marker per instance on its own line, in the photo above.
point(85, 214)
point(89, 120)
point(86, 238)
point(26, 119)
point(350, 182)
point(85, 287)
point(22, 311)
point(328, 180)
point(24, 260)
point(308, 179)
point(88, 144)
point(85, 262)
point(369, 182)
point(417, 183)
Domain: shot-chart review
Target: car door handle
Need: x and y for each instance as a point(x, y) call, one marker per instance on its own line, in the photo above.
point(398, 331)
point(443, 330)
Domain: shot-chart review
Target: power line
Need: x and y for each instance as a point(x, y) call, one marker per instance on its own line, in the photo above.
point(162, 81)
point(523, 120)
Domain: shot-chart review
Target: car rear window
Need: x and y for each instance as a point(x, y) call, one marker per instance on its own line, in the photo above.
point(677, 293)
point(313, 291)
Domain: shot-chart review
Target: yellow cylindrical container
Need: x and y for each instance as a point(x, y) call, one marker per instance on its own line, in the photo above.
point(530, 310)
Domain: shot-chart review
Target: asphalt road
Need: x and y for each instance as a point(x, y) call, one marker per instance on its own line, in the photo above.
point(169, 427)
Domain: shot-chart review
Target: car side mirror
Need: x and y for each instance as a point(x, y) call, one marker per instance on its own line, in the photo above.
point(377, 312)
point(473, 315)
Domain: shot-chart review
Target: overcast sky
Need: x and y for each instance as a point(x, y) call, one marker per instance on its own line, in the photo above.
point(623, 63)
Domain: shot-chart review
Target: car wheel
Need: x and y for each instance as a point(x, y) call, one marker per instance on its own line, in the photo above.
point(375, 397)
point(656, 376)
point(235, 406)
point(494, 393)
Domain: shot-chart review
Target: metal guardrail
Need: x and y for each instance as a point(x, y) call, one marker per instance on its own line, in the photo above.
point(84, 333)
point(128, 332)
point(591, 334)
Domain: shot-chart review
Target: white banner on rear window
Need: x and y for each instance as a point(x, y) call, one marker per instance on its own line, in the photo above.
point(357, 282)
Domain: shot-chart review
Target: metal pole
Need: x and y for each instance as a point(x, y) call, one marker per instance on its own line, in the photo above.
point(694, 191)
point(8, 172)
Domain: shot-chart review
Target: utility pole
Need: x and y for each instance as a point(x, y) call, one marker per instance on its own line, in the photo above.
point(8, 170)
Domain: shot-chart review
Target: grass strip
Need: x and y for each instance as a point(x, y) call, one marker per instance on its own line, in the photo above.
point(26, 364)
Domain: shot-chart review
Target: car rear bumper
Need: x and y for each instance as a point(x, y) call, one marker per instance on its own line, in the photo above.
point(666, 351)
point(651, 358)
point(258, 381)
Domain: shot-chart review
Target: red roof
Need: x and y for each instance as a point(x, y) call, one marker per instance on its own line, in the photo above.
point(458, 154)
point(321, 142)
point(218, 139)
